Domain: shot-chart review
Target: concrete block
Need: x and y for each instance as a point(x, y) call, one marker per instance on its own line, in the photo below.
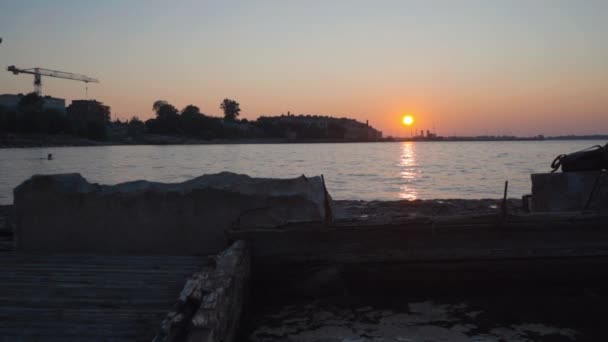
point(65, 213)
point(569, 191)
point(215, 316)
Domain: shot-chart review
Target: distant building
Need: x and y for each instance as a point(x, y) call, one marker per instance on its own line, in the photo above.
point(308, 120)
point(291, 135)
point(356, 130)
point(242, 127)
point(54, 104)
point(323, 127)
point(11, 101)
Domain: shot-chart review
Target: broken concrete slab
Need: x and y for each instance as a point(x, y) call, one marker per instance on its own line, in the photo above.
point(65, 213)
point(569, 191)
point(210, 306)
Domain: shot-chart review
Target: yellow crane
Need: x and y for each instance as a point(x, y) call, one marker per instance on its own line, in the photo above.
point(39, 72)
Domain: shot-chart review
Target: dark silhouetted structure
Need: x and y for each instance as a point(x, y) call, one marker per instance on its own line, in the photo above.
point(89, 118)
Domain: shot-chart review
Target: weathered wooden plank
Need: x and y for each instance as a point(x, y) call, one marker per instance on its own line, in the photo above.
point(426, 242)
point(76, 315)
point(71, 297)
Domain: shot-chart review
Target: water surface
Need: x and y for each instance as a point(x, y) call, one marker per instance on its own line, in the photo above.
point(369, 171)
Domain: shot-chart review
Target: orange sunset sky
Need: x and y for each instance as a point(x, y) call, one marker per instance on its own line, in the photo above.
point(463, 67)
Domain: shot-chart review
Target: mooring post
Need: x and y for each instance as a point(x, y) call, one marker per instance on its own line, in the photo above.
point(504, 201)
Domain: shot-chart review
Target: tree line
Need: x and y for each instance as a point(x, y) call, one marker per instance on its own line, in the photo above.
point(189, 121)
point(31, 117)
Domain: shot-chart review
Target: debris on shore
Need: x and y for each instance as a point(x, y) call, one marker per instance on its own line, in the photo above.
point(386, 211)
point(415, 321)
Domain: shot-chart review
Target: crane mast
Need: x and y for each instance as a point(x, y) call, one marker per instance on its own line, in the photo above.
point(39, 72)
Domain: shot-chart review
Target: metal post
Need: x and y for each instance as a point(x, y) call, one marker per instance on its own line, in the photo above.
point(504, 201)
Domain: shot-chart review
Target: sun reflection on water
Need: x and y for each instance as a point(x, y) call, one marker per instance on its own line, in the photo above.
point(408, 173)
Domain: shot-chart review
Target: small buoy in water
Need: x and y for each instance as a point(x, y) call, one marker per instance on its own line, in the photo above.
point(49, 156)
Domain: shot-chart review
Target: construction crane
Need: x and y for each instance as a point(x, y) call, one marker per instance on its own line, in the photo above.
point(39, 72)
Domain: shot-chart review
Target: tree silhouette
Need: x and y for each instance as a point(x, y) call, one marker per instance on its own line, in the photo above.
point(192, 120)
point(191, 110)
point(135, 127)
point(167, 119)
point(164, 109)
point(158, 104)
point(231, 109)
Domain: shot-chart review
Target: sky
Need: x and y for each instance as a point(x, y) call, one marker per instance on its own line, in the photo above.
point(459, 67)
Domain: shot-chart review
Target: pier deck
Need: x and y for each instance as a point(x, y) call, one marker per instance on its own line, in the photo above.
point(87, 297)
point(7, 238)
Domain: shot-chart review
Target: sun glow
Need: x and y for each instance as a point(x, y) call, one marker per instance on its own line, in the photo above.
point(408, 120)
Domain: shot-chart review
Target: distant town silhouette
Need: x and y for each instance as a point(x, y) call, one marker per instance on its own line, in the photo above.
point(32, 114)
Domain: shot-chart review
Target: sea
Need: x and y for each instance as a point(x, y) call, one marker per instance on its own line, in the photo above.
point(353, 171)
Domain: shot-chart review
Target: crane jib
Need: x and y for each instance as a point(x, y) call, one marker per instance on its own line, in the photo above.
point(38, 72)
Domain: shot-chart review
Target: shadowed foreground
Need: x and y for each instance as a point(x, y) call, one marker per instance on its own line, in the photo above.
point(83, 297)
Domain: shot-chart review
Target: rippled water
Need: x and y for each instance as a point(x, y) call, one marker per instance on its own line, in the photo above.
point(384, 171)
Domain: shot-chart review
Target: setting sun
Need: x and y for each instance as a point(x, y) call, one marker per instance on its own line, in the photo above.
point(408, 120)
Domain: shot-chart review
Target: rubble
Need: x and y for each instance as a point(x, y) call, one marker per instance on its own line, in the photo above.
point(211, 304)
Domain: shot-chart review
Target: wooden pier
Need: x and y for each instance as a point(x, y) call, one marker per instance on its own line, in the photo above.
point(87, 297)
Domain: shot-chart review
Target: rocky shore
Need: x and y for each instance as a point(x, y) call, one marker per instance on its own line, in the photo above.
point(515, 318)
point(391, 211)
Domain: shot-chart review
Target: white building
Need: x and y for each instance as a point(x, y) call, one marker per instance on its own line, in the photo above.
point(11, 101)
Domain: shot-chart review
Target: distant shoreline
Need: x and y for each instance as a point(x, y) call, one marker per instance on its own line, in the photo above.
point(41, 141)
